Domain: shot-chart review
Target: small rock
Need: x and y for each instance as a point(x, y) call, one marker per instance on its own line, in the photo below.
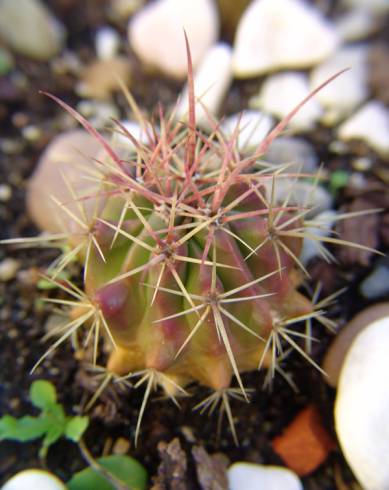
point(8, 269)
point(357, 24)
point(70, 153)
point(28, 479)
point(376, 6)
point(98, 112)
point(376, 284)
point(120, 10)
point(274, 34)
point(361, 407)
point(100, 79)
point(122, 142)
point(321, 227)
point(302, 194)
point(342, 96)
point(297, 152)
point(370, 124)
point(121, 446)
point(30, 29)
point(254, 126)
point(250, 476)
point(335, 355)
point(156, 33)
point(5, 192)
point(211, 82)
point(280, 93)
point(305, 444)
point(107, 43)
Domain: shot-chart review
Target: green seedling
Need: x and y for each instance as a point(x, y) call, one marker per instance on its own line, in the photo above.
point(51, 424)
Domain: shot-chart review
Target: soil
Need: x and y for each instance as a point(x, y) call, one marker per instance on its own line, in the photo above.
point(23, 316)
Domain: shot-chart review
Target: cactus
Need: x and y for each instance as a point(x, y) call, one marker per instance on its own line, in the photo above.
point(191, 268)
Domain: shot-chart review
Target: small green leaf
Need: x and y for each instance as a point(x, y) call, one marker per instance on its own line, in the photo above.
point(338, 180)
point(24, 429)
point(75, 427)
point(42, 394)
point(124, 468)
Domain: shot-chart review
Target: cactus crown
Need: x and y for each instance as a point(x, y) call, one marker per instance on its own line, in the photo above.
point(191, 266)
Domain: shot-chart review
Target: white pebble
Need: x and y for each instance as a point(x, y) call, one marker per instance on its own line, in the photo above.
point(121, 141)
point(376, 284)
point(156, 33)
point(30, 29)
point(254, 126)
point(274, 34)
point(376, 6)
point(361, 408)
point(280, 93)
point(5, 192)
point(248, 476)
point(342, 96)
point(299, 193)
point(370, 124)
point(8, 269)
point(321, 227)
point(39, 479)
point(107, 43)
point(357, 24)
point(211, 82)
point(298, 153)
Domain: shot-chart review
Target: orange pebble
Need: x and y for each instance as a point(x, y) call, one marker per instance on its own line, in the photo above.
point(304, 445)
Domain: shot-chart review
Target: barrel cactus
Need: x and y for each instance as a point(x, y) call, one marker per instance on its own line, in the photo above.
point(191, 267)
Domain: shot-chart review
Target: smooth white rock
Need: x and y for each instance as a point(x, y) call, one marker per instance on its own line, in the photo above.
point(357, 24)
point(107, 42)
point(370, 124)
point(342, 96)
point(298, 153)
point(248, 476)
point(300, 193)
point(376, 284)
point(321, 226)
point(254, 126)
point(361, 408)
point(29, 28)
point(156, 33)
point(30, 479)
point(280, 93)
point(274, 34)
point(121, 141)
point(212, 79)
point(376, 6)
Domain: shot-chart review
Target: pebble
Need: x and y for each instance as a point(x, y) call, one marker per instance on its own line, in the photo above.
point(369, 124)
point(8, 269)
point(357, 24)
point(254, 126)
point(335, 355)
point(107, 43)
point(5, 192)
point(122, 9)
point(69, 153)
point(99, 113)
point(121, 446)
point(156, 34)
point(321, 227)
point(298, 153)
point(302, 194)
point(250, 476)
point(274, 34)
point(34, 478)
point(29, 28)
point(211, 82)
point(280, 93)
point(343, 95)
point(376, 284)
point(100, 79)
point(121, 141)
point(376, 6)
point(361, 407)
